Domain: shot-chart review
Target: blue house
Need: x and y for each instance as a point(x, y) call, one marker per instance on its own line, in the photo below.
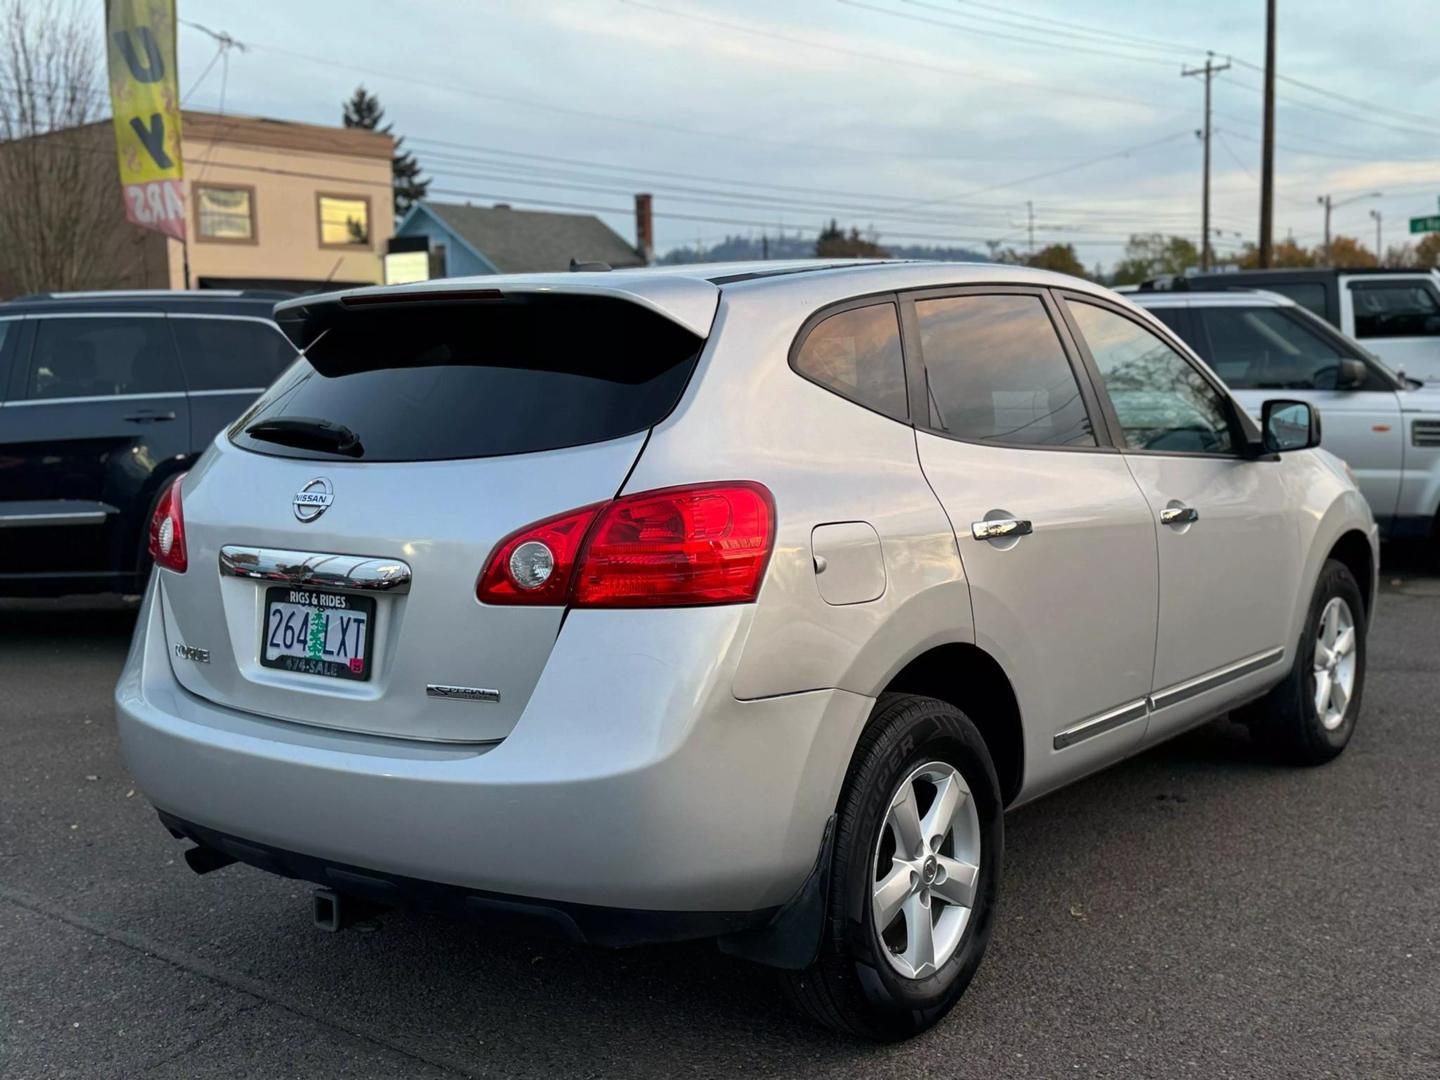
point(465, 239)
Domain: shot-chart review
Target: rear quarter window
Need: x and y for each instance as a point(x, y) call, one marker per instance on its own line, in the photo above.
point(446, 380)
point(856, 353)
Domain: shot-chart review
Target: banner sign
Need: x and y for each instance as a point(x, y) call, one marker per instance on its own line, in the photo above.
point(140, 42)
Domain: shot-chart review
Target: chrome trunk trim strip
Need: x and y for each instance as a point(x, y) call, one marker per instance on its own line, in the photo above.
point(319, 570)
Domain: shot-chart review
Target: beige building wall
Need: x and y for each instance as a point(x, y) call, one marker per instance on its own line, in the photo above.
point(286, 168)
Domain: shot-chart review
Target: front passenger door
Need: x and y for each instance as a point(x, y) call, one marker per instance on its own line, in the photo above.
point(1229, 568)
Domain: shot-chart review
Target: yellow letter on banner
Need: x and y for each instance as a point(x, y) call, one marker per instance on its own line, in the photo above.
point(144, 95)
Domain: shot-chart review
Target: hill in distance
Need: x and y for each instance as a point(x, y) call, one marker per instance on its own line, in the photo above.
point(747, 248)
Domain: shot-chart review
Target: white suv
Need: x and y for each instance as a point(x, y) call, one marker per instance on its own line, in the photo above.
point(727, 601)
point(1385, 426)
point(1393, 313)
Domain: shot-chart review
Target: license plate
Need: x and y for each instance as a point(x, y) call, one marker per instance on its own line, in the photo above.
point(318, 632)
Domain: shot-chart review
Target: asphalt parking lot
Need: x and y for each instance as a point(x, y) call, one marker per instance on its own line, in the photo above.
point(1195, 911)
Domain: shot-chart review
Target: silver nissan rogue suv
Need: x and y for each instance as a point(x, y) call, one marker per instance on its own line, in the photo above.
point(732, 601)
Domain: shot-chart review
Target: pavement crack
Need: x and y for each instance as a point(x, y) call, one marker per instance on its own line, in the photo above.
point(240, 983)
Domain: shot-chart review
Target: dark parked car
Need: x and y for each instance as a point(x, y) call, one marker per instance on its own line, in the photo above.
point(104, 399)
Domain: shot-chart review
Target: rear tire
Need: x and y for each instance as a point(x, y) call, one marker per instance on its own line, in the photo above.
point(1303, 721)
point(872, 980)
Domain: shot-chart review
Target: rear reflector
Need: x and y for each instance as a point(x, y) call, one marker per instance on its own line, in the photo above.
point(167, 530)
point(675, 547)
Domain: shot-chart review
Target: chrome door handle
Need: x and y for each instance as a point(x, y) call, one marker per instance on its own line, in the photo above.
point(1179, 515)
point(1000, 528)
point(150, 417)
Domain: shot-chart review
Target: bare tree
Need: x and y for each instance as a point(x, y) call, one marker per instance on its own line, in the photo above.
point(61, 201)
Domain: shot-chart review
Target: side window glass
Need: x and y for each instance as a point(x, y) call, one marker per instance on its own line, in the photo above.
point(231, 354)
point(1174, 320)
point(101, 357)
point(856, 353)
point(996, 372)
point(1399, 309)
point(9, 331)
point(1309, 295)
point(1260, 348)
point(1162, 401)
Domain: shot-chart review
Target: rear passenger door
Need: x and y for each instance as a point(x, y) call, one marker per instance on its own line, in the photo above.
point(1228, 544)
point(228, 361)
point(1057, 542)
point(98, 407)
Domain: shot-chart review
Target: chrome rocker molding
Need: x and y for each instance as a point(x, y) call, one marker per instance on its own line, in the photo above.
point(1219, 677)
point(1098, 725)
point(317, 570)
point(1138, 710)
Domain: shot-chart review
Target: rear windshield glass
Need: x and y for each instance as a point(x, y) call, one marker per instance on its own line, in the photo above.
point(433, 381)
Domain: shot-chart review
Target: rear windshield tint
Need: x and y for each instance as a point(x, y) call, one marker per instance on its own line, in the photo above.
point(436, 381)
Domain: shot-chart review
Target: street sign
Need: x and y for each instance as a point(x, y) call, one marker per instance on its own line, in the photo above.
point(1425, 224)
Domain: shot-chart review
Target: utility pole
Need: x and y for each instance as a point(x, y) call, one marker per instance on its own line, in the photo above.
point(1209, 71)
point(1267, 153)
point(1330, 205)
point(1030, 214)
point(1379, 251)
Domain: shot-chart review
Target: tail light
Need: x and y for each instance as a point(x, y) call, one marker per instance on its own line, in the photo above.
point(536, 564)
point(676, 547)
point(167, 530)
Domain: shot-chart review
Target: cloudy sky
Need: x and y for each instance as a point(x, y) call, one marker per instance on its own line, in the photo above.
point(930, 121)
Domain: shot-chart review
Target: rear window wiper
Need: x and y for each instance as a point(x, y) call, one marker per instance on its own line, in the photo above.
point(308, 433)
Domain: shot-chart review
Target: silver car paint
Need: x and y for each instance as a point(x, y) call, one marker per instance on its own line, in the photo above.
point(637, 732)
point(1076, 599)
point(435, 633)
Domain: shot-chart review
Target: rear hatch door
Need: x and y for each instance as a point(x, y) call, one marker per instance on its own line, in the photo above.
point(336, 533)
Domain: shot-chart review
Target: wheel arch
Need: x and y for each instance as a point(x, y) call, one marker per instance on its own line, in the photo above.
point(970, 679)
point(1352, 549)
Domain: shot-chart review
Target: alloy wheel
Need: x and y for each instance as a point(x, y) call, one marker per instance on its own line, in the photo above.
point(926, 866)
point(1335, 660)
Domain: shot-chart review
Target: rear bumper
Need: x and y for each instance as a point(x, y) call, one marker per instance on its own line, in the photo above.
point(634, 779)
point(586, 923)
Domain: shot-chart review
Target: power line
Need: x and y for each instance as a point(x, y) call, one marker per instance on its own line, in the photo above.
point(687, 130)
point(932, 237)
point(891, 61)
point(1173, 46)
point(970, 29)
point(1126, 152)
point(1081, 28)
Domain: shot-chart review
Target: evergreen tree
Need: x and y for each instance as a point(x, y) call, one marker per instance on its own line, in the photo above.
point(834, 243)
point(363, 110)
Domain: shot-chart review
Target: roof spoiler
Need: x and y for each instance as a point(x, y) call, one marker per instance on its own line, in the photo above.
point(687, 303)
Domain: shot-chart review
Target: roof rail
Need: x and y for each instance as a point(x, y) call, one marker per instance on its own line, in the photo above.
point(157, 294)
point(1165, 283)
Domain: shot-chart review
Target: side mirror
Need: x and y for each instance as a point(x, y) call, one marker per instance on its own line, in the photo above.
point(1350, 374)
point(1289, 425)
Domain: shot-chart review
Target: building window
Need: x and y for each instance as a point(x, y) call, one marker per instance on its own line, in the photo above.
point(344, 221)
point(225, 214)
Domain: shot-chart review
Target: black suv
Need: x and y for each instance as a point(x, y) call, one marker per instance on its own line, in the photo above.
point(104, 397)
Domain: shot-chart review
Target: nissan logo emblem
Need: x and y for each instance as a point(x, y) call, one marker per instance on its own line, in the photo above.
point(313, 499)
